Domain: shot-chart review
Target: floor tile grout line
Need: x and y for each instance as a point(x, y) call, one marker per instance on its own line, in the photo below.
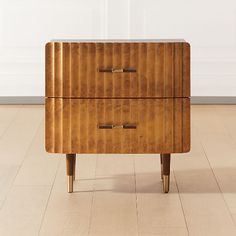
point(233, 139)
point(136, 195)
point(92, 200)
point(221, 193)
point(230, 135)
point(9, 189)
point(12, 121)
point(28, 149)
point(49, 196)
point(180, 199)
point(214, 175)
point(20, 165)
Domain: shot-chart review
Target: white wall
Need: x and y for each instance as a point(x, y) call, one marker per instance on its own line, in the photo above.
point(209, 25)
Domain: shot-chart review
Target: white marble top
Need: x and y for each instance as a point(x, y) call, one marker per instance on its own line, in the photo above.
point(120, 40)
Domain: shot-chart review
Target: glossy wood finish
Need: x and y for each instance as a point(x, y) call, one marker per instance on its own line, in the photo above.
point(163, 125)
point(70, 164)
point(163, 70)
point(166, 163)
point(118, 97)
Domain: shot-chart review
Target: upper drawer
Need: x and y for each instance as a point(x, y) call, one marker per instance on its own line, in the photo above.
point(117, 70)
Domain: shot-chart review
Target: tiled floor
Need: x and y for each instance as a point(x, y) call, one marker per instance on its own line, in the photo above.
point(117, 195)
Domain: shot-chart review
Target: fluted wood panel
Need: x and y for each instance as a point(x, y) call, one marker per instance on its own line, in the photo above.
point(163, 70)
point(163, 125)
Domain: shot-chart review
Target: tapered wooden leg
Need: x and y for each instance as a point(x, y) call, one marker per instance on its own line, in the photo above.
point(70, 170)
point(161, 166)
point(166, 172)
point(74, 165)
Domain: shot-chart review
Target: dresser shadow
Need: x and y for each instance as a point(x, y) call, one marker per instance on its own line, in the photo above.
point(199, 181)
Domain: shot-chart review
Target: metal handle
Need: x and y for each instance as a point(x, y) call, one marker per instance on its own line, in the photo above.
point(111, 126)
point(117, 70)
point(129, 126)
point(105, 126)
point(131, 70)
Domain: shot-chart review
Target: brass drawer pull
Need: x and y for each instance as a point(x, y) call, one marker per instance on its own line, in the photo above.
point(129, 126)
point(110, 126)
point(105, 126)
point(131, 70)
point(117, 70)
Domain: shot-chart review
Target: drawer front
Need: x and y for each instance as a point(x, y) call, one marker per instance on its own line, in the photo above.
point(119, 70)
point(117, 125)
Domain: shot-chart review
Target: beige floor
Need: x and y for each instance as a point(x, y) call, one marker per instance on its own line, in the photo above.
point(117, 195)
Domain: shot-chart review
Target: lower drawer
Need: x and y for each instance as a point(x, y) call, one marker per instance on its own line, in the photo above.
point(117, 125)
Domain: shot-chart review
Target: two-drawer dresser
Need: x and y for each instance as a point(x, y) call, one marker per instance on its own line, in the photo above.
point(118, 96)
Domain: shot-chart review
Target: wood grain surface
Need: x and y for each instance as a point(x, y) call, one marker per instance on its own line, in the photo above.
point(162, 70)
point(163, 125)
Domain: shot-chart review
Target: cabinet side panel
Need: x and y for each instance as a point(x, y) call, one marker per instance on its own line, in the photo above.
point(186, 125)
point(49, 69)
point(178, 69)
point(186, 70)
point(178, 125)
point(58, 70)
point(49, 125)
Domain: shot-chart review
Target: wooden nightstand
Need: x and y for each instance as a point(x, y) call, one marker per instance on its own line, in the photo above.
point(118, 97)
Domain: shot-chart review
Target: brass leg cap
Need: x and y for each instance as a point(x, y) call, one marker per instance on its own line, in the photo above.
point(166, 183)
point(70, 183)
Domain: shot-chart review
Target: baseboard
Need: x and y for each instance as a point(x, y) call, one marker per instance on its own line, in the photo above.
point(37, 100)
point(22, 100)
point(213, 100)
